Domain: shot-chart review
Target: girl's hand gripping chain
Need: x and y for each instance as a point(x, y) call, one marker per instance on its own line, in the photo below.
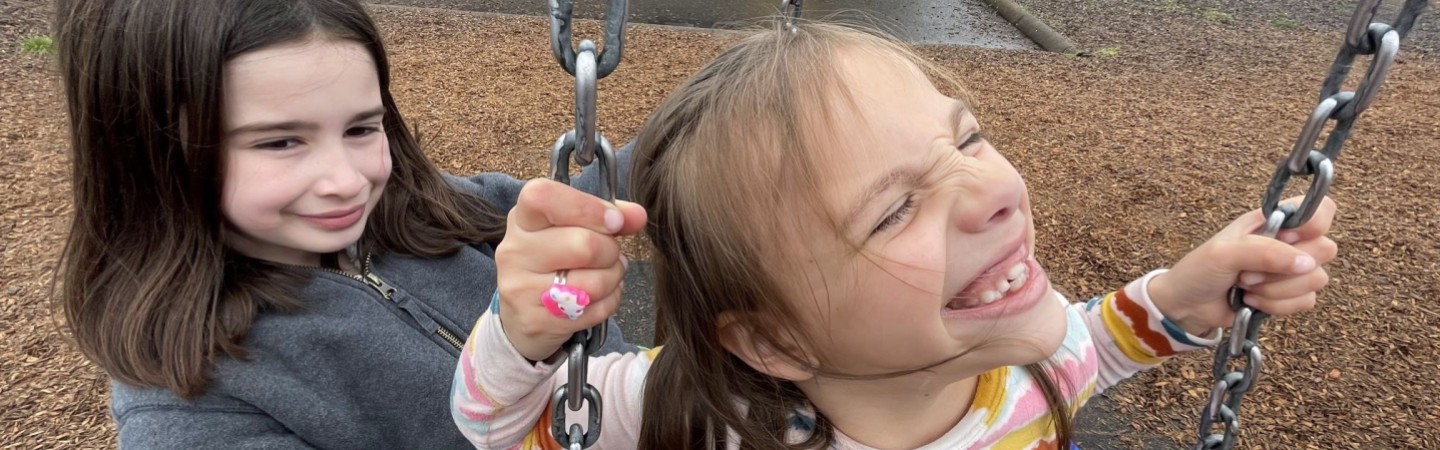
point(1281, 275)
point(560, 248)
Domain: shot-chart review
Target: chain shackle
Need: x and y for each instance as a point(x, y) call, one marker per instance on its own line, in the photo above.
point(1240, 347)
point(561, 29)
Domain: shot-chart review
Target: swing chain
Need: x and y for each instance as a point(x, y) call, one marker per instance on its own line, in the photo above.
point(1241, 347)
point(791, 9)
point(586, 145)
point(560, 31)
point(588, 65)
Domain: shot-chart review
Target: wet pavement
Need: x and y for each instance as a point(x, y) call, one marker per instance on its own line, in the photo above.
point(952, 22)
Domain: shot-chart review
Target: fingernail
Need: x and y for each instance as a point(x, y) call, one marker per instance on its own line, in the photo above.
point(1251, 278)
point(624, 262)
point(614, 220)
point(1304, 263)
point(1289, 237)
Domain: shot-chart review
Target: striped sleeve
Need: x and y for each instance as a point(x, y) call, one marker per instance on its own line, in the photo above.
point(499, 400)
point(1131, 335)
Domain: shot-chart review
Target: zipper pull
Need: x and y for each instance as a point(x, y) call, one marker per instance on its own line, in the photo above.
point(379, 285)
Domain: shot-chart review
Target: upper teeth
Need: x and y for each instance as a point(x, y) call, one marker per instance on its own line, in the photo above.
point(1013, 281)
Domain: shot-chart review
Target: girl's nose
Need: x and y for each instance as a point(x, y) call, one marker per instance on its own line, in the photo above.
point(340, 172)
point(991, 196)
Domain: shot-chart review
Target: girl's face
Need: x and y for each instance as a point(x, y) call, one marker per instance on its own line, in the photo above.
point(945, 229)
point(306, 156)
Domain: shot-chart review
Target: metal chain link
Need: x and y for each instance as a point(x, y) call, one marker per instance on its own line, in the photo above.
point(790, 9)
point(586, 145)
point(1241, 347)
point(560, 44)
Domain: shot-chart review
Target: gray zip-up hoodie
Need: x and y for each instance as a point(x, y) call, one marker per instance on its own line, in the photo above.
point(359, 368)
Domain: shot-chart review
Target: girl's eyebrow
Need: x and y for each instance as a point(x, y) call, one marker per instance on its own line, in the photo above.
point(369, 114)
point(296, 125)
point(904, 175)
point(957, 115)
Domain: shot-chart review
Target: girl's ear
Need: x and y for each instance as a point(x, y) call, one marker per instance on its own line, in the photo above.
point(741, 341)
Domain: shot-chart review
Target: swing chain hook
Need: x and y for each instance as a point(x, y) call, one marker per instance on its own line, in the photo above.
point(1241, 348)
point(790, 10)
point(585, 145)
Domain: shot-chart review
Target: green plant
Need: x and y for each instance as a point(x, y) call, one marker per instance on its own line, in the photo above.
point(1217, 15)
point(1284, 22)
point(1172, 6)
point(1108, 52)
point(39, 44)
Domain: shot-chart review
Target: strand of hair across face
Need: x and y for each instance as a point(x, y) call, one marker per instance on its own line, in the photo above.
point(887, 375)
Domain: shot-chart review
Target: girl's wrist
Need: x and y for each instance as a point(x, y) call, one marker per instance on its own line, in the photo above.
point(1176, 311)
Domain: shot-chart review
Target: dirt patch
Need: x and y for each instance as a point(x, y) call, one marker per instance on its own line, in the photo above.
point(1132, 160)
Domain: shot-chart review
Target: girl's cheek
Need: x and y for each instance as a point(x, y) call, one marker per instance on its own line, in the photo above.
point(386, 159)
point(380, 165)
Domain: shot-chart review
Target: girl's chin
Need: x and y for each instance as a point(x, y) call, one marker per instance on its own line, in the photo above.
point(1026, 338)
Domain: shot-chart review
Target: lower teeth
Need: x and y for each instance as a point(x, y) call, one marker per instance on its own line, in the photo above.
point(1004, 288)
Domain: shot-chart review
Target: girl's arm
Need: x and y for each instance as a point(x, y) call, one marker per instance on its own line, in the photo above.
point(500, 394)
point(1160, 314)
point(501, 400)
point(1131, 335)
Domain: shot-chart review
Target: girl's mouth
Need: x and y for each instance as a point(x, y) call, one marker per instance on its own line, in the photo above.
point(992, 287)
point(337, 220)
point(1013, 285)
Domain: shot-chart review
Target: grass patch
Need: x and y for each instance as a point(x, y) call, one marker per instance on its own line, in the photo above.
point(1172, 7)
point(1108, 52)
point(43, 45)
point(1284, 23)
point(1217, 15)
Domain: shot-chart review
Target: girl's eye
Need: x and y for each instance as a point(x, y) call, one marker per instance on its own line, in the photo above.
point(896, 217)
point(278, 144)
point(975, 138)
point(362, 131)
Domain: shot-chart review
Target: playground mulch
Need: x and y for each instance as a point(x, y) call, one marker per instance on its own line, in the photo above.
point(1132, 159)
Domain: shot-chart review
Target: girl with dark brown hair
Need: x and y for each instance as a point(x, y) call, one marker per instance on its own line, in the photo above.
point(261, 256)
point(844, 261)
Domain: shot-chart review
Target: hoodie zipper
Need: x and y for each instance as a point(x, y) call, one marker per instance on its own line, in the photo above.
point(385, 290)
point(369, 279)
point(449, 337)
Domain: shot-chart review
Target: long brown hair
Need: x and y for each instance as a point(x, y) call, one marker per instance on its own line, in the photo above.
point(727, 151)
point(148, 288)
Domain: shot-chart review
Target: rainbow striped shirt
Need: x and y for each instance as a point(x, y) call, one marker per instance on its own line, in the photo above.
point(502, 401)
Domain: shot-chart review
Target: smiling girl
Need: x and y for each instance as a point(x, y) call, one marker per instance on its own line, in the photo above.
point(863, 276)
point(260, 254)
